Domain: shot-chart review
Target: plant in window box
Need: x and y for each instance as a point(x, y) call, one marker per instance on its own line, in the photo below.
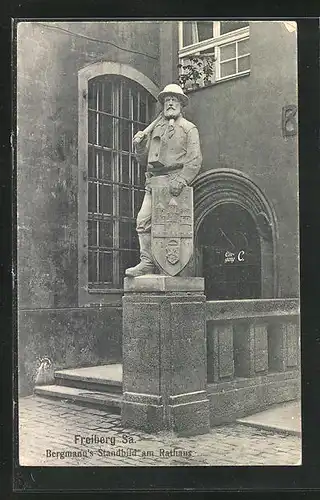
point(197, 71)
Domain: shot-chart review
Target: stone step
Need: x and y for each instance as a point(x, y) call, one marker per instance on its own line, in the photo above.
point(283, 418)
point(109, 401)
point(104, 378)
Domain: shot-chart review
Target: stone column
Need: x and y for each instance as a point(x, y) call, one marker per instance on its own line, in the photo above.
point(164, 355)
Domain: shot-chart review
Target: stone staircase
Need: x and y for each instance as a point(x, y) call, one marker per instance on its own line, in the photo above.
point(98, 386)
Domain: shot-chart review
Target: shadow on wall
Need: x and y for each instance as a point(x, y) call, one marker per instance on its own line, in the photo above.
point(69, 338)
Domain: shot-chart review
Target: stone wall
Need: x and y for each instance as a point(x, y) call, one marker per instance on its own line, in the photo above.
point(47, 108)
point(49, 56)
point(240, 127)
point(69, 336)
point(239, 124)
point(253, 353)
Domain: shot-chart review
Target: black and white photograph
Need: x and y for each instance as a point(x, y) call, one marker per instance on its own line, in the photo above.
point(157, 243)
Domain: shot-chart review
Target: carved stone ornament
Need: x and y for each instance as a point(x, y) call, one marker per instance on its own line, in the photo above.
point(173, 251)
point(289, 120)
point(172, 229)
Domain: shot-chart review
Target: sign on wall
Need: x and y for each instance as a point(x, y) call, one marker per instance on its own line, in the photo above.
point(232, 258)
point(289, 120)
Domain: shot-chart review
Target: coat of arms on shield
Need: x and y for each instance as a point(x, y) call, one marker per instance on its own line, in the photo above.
point(172, 229)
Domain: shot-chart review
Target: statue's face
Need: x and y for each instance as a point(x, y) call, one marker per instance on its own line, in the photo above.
point(171, 107)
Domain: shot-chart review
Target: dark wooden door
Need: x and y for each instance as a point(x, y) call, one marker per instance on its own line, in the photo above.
point(230, 251)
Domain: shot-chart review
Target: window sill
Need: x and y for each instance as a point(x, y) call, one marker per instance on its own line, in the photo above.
point(105, 290)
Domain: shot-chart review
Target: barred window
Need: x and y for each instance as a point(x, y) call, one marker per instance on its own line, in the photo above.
point(117, 109)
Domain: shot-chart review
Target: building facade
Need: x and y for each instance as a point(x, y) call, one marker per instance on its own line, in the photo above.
point(83, 90)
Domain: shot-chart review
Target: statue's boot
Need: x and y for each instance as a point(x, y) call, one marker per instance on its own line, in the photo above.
point(146, 265)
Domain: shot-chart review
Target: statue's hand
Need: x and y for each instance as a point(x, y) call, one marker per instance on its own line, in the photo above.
point(176, 185)
point(139, 136)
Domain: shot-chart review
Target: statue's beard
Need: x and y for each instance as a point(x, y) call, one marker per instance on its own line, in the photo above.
point(171, 113)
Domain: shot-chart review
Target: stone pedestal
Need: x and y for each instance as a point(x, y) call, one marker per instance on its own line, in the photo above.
point(164, 355)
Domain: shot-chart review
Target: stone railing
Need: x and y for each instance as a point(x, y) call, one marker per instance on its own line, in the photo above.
point(253, 353)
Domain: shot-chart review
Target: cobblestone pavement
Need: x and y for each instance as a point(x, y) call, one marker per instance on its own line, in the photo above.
point(59, 433)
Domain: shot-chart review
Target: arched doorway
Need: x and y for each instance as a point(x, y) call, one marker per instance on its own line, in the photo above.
point(229, 205)
point(229, 254)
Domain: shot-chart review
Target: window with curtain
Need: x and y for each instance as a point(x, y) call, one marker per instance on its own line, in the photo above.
point(117, 109)
point(198, 31)
point(227, 41)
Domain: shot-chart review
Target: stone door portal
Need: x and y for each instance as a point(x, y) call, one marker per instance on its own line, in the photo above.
point(229, 254)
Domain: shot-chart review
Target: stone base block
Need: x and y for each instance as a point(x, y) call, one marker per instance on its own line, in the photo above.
point(160, 283)
point(186, 415)
point(145, 417)
point(189, 419)
point(242, 397)
point(164, 355)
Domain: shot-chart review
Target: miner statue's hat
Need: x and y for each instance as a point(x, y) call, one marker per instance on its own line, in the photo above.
point(176, 90)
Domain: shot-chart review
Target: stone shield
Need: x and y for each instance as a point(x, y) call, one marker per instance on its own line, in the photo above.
point(172, 229)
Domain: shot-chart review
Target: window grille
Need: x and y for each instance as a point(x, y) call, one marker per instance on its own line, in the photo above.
point(117, 109)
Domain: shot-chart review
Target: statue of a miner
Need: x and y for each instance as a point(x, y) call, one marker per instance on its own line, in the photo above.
point(169, 148)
